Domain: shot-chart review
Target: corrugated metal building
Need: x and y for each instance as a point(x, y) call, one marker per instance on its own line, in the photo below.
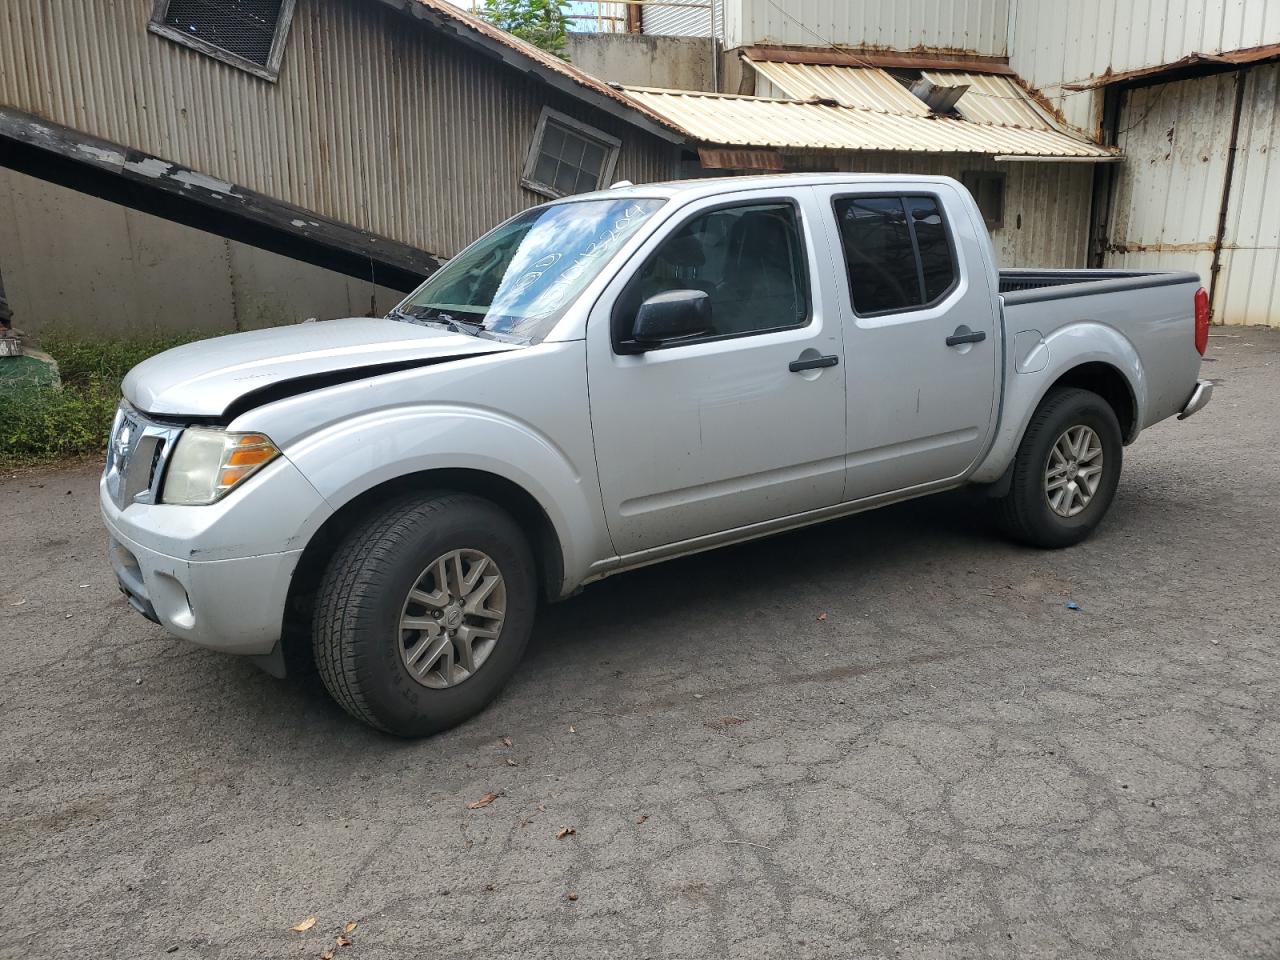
point(1190, 91)
point(375, 137)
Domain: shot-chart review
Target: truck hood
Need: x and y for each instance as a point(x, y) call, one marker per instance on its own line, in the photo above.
point(220, 378)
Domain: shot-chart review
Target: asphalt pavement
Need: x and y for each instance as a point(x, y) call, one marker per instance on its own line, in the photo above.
point(888, 736)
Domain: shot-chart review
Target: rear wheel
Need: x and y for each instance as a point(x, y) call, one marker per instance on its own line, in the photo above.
point(424, 612)
point(1066, 470)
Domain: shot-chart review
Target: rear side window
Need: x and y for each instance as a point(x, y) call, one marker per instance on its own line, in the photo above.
point(897, 252)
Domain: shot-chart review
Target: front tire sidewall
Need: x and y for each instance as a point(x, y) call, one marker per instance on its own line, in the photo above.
point(396, 700)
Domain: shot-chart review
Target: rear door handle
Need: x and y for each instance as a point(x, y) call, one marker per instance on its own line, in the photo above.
point(964, 335)
point(813, 363)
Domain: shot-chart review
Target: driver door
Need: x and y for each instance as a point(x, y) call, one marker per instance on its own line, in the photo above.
point(700, 437)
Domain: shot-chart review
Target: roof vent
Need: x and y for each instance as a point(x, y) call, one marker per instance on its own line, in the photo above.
point(940, 99)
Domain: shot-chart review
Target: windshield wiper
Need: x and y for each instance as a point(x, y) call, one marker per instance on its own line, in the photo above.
point(421, 319)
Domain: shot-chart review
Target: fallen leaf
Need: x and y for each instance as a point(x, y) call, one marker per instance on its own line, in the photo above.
point(565, 832)
point(506, 741)
point(484, 801)
point(721, 722)
point(511, 763)
point(573, 896)
point(642, 818)
point(342, 941)
point(822, 616)
point(572, 728)
point(351, 925)
point(302, 926)
point(327, 955)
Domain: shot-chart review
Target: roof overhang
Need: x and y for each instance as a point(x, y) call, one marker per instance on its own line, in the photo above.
point(904, 59)
point(760, 123)
point(1194, 64)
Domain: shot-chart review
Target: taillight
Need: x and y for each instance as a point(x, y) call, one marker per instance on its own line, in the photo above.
point(1202, 321)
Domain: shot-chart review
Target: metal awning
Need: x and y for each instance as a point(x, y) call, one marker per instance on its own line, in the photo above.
point(991, 98)
point(866, 87)
point(740, 121)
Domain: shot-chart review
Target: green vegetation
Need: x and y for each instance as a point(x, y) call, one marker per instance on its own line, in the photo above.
point(540, 22)
point(42, 424)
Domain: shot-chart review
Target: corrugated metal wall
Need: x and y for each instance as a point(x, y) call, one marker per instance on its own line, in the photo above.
point(979, 26)
point(1168, 195)
point(1052, 42)
point(376, 120)
point(687, 18)
point(1046, 205)
point(1248, 289)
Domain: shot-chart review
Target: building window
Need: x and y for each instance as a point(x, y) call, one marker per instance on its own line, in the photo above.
point(248, 34)
point(988, 190)
point(568, 157)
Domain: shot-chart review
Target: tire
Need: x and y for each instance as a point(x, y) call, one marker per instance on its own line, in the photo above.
point(360, 647)
point(1025, 512)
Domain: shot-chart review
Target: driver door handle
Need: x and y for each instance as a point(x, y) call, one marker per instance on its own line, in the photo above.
point(813, 363)
point(964, 335)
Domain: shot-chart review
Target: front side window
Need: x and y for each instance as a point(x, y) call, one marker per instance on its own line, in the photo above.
point(568, 157)
point(517, 280)
point(749, 260)
point(897, 252)
point(245, 33)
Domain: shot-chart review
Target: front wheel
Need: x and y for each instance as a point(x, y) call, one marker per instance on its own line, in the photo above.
point(424, 612)
point(1066, 471)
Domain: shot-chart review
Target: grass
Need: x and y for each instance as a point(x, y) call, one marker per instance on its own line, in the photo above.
point(43, 425)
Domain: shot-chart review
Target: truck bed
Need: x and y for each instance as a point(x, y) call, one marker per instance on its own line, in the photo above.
point(1153, 313)
point(1031, 285)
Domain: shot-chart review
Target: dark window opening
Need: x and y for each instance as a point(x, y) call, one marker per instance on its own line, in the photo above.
point(245, 33)
point(897, 252)
point(988, 191)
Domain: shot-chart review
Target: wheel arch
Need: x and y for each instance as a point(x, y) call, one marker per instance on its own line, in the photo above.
point(1110, 383)
point(523, 507)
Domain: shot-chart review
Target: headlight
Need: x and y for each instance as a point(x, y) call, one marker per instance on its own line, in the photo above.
point(208, 464)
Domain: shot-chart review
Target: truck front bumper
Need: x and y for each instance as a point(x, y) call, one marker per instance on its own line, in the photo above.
point(1199, 398)
point(216, 575)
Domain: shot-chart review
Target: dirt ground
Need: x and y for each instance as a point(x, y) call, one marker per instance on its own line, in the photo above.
point(883, 737)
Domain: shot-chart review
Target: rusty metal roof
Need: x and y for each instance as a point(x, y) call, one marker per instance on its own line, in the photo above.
point(993, 99)
point(733, 120)
point(871, 88)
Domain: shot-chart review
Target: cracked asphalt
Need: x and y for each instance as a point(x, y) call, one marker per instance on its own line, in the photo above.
point(884, 737)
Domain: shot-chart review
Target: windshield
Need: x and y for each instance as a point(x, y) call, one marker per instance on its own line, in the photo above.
point(517, 280)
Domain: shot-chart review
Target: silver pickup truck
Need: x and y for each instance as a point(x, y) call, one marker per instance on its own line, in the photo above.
point(609, 381)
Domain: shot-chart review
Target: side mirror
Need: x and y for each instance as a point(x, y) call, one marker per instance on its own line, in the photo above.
point(672, 315)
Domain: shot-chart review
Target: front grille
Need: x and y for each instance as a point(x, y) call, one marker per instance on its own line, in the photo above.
point(137, 453)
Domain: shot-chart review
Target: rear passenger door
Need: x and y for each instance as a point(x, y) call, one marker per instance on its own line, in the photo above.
point(920, 340)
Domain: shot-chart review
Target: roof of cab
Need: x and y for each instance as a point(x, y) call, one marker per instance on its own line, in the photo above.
point(713, 186)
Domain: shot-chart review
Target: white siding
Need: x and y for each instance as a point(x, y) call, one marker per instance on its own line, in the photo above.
point(1168, 196)
point(692, 18)
point(1168, 193)
point(1248, 289)
point(977, 26)
point(1052, 42)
